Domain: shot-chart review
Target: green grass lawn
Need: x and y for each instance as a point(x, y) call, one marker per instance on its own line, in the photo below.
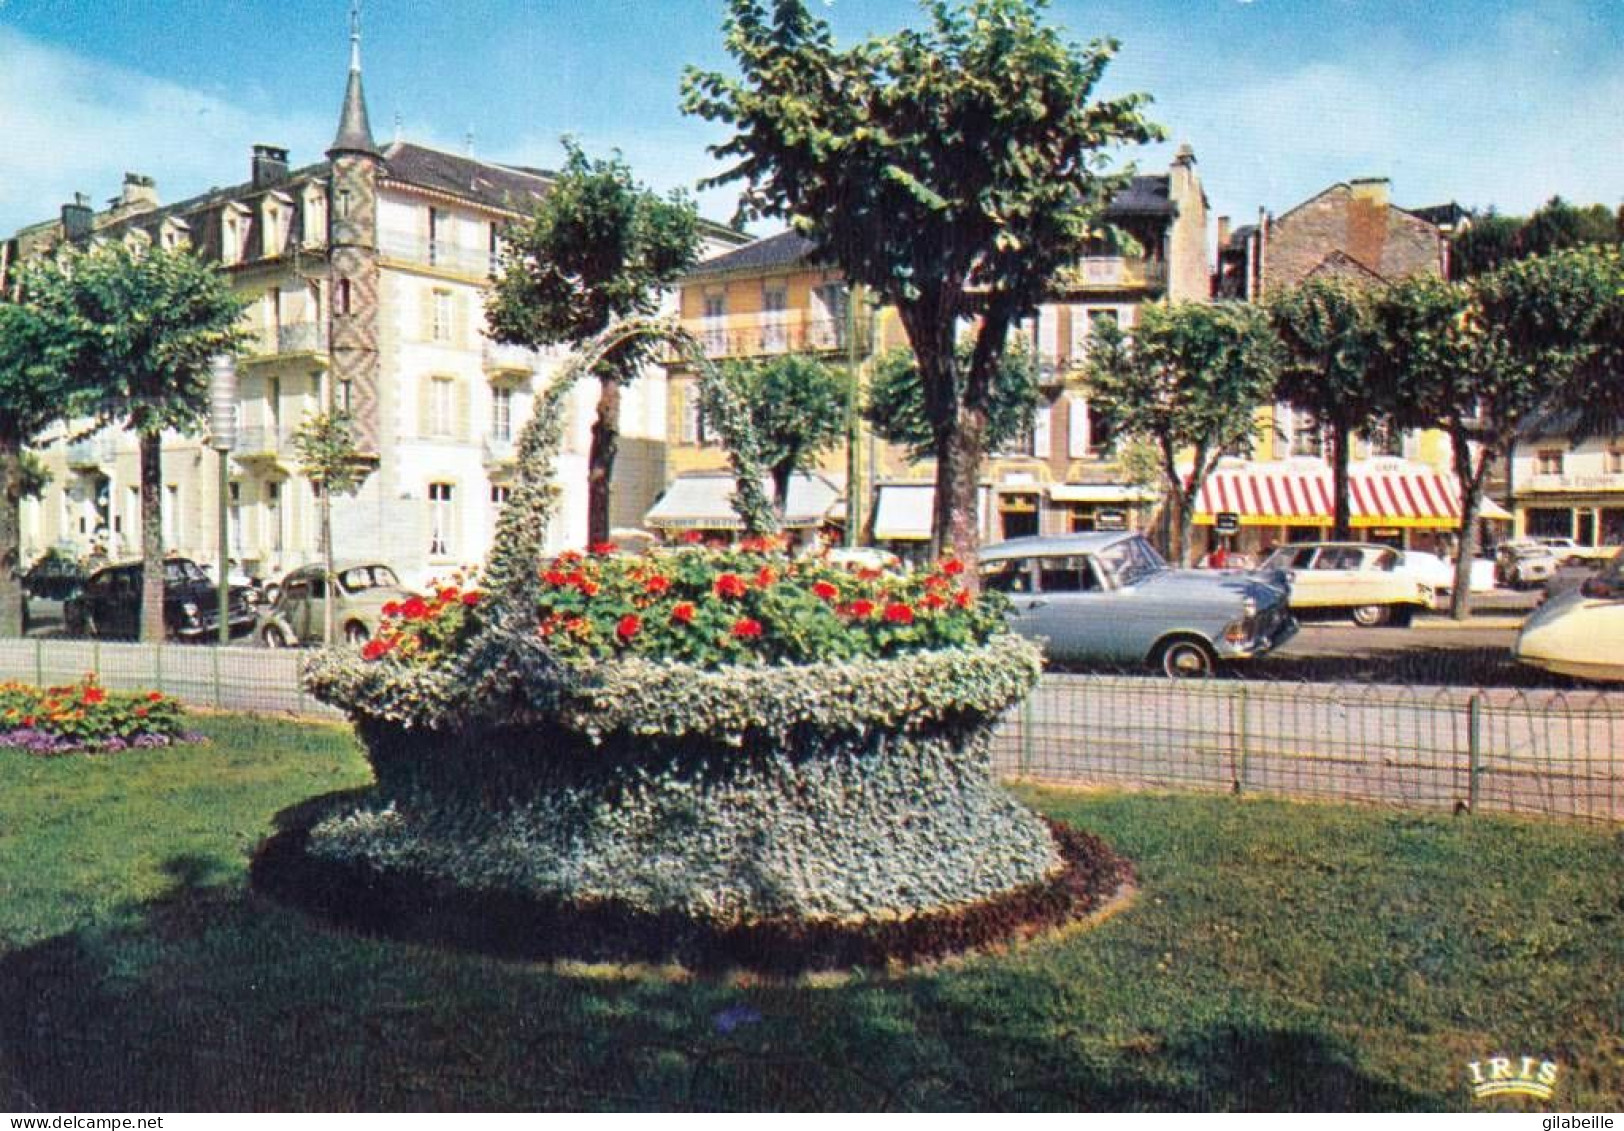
point(1277, 956)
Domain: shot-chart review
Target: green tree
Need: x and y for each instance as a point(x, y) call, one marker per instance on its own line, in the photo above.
point(324, 445)
point(1493, 240)
point(1325, 329)
point(895, 406)
point(797, 406)
point(136, 331)
point(35, 392)
point(1480, 360)
point(1188, 380)
point(598, 249)
point(951, 170)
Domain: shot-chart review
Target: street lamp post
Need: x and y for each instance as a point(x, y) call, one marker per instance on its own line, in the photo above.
point(222, 438)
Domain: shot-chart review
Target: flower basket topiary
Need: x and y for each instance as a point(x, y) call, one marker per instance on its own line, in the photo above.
point(715, 736)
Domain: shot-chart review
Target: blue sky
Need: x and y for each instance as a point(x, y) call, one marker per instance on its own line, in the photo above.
point(1502, 102)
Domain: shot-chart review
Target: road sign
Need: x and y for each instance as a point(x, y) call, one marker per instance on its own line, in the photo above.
point(1226, 522)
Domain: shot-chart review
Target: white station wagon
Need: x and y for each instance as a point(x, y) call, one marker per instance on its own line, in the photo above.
point(1362, 579)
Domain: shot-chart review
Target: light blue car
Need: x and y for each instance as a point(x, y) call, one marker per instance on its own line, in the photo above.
point(1111, 598)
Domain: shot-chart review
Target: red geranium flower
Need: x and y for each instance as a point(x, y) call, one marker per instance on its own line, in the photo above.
point(656, 584)
point(899, 614)
point(374, 650)
point(824, 591)
point(766, 577)
point(391, 608)
point(414, 609)
point(745, 627)
point(866, 574)
point(628, 626)
point(449, 594)
point(155, 697)
point(963, 599)
point(683, 612)
point(933, 601)
point(94, 695)
point(555, 577)
point(603, 549)
point(861, 608)
point(730, 585)
point(692, 537)
point(140, 712)
point(471, 598)
point(952, 567)
point(937, 581)
point(587, 587)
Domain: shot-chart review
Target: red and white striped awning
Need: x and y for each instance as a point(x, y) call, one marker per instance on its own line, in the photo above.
point(1408, 495)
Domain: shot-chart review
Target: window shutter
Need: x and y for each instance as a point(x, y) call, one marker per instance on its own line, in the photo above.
point(1077, 428)
point(461, 395)
point(425, 406)
point(1041, 420)
point(459, 307)
point(425, 327)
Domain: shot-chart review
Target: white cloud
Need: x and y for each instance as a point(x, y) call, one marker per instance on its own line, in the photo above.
point(71, 124)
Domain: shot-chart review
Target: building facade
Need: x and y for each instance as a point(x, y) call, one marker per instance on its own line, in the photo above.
point(365, 275)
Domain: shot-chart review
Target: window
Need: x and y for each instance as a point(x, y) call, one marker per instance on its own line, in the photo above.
point(833, 305)
point(690, 415)
point(1089, 430)
point(230, 240)
point(273, 515)
point(774, 317)
point(1305, 434)
point(343, 296)
point(1042, 440)
point(496, 249)
point(1615, 461)
point(437, 232)
point(441, 391)
point(1548, 461)
point(344, 396)
point(344, 204)
point(1086, 322)
point(715, 332)
point(441, 322)
point(500, 494)
point(501, 412)
point(441, 518)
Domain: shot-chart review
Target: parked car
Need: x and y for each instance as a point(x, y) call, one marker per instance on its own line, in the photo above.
point(855, 559)
point(1110, 597)
point(1362, 579)
point(1581, 632)
point(1439, 572)
point(53, 577)
point(298, 615)
point(1568, 552)
point(109, 605)
point(1522, 565)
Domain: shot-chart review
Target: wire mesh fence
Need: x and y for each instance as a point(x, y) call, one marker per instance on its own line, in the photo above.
point(1546, 752)
point(1526, 750)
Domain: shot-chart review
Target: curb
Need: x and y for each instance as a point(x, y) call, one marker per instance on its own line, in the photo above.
point(1469, 623)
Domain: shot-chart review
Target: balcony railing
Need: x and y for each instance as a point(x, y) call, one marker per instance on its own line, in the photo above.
point(498, 450)
point(98, 451)
point(408, 247)
point(501, 356)
point(290, 338)
point(1114, 272)
point(258, 441)
point(767, 334)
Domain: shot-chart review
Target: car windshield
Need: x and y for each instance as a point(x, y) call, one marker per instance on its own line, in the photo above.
point(1129, 561)
point(368, 577)
point(183, 571)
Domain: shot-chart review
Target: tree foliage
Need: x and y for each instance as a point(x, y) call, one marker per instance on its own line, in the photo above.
point(797, 406)
point(134, 332)
point(1188, 380)
point(1327, 338)
point(895, 406)
point(597, 250)
point(327, 453)
point(1481, 360)
point(1493, 240)
point(952, 170)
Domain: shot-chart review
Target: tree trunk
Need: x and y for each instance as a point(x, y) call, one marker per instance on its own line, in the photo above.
point(781, 477)
point(1471, 502)
point(152, 538)
point(1341, 519)
point(13, 601)
point(601, 460)
point(954, 529)
point(329, 616)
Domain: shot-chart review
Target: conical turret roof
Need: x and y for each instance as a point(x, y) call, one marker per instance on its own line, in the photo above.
point(354, 131)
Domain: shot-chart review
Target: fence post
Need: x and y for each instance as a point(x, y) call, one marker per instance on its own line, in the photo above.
point(158, 666)
point(1026, 732)
point(1474, 747)
point(215, 652)
point(1237, 726)
point(39, 662)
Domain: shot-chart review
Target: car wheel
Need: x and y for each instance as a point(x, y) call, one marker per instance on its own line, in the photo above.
point(1370, 616)
point(274, 637)
point(356, 633)
point(1186, 659)
point(1403, 616)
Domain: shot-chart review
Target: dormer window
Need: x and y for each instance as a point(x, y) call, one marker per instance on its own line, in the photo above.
point(136, 240)
point(233, 233)
point(275, 211)
point(315, 217)
point(174, 233)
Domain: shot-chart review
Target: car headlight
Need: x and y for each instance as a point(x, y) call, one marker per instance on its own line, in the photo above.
point(189, 610)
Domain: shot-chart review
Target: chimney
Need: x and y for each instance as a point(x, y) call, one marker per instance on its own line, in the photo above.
point(138, 191)
point(270, 165)
point(77, 217)
point(1223, 233)
point(1370, 189)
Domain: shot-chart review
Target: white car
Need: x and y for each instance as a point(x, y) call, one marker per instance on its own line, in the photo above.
point(1359, 578)
point(1580, 633)
point(1522, 565)
point(1569, 552)
point(1430, 569)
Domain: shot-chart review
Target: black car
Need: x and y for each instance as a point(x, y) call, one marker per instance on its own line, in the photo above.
point(54, 577)
point(109, 605)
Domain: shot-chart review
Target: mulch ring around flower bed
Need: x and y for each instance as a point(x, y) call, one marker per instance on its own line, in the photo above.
point(510, 925)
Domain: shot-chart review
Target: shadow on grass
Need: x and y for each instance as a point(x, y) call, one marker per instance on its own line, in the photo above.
point(216, 999)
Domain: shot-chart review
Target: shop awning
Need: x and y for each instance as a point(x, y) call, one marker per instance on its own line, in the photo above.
point(705, 502)
point(1392, 495)
point(1120, 493)
point(903, 513)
